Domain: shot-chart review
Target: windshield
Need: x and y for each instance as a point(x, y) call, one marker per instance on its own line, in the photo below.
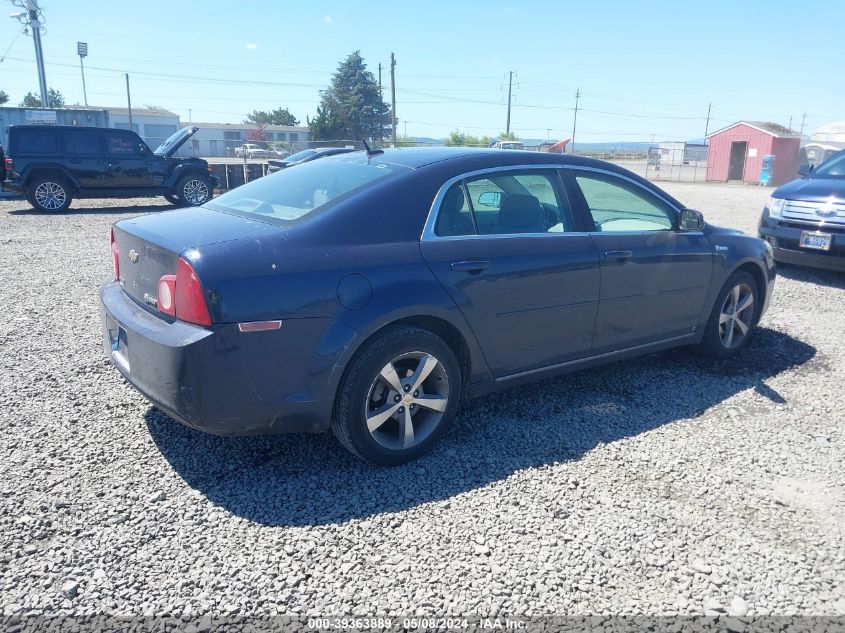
point(173, 138)
point(291, 194)
point(833, 167)
point(300, 155)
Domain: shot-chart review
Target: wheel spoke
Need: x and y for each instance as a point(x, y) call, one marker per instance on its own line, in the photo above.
point(382, 415)
point(742, 327)
point(746, 302)
point(389, 375)
point(730, 338)
point(724, 317)
point(424, 368)
point(433, 402)
point(408, 429)
point(734, 298)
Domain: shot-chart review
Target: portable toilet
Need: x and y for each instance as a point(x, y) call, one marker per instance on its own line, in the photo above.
point(766, 170)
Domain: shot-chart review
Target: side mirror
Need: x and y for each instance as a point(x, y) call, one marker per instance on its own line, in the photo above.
point(805, 170)
point(490, 199)
point(691, 220)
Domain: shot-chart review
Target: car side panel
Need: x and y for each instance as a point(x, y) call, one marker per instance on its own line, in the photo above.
point(733, 250)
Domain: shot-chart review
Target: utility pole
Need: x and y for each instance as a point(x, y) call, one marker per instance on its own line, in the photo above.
point(35, 24)
point(510, 85)
point(393, 96)
point(575, 120)
point(707, 125)
point(82, 51)
point(803, 118)
point(789, 127)
point(129, 102)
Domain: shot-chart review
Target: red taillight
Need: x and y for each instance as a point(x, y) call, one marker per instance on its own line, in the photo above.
point(189, 297)
point(9, 165)
point(166, 295)
point(115, 256)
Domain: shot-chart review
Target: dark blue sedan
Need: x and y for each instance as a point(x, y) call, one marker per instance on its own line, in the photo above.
point(371, 293)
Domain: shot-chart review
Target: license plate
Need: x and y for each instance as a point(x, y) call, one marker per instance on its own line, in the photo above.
point(816, 241)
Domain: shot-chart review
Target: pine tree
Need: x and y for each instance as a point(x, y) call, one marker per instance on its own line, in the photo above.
point(352, 107)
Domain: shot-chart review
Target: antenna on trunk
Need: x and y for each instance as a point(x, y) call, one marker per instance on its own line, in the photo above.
point(370, 151)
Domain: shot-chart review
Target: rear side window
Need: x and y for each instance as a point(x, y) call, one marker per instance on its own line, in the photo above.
point(37, 142)
point(82, 143)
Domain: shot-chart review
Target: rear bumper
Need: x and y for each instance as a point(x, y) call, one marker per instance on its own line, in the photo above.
point(220, 381)
point(13, 186)
point(784, 242)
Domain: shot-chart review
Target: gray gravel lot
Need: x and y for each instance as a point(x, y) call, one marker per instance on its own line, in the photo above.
point(666, 484)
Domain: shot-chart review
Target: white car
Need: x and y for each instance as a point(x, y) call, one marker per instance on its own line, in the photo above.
point(251, 150)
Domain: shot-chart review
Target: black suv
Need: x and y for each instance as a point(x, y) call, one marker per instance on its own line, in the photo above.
point(51, 165)
point(804, 220)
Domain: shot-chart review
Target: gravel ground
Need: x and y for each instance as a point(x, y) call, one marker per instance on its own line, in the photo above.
point(666, 484)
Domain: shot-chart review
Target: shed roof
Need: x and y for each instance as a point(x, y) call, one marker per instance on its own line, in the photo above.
point(775, 129)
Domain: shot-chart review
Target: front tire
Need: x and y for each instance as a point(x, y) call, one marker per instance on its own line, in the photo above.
point(194, 190)
point(733, 318)
point(398, 397)
point(50, 194)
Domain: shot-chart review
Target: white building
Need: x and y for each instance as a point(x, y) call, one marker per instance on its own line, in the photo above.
point(152, 125)
point(221, 139)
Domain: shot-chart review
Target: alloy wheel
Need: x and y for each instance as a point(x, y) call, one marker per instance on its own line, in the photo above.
point(406, 400)
point(736, 316)
point(50, 195)
point(195, 192)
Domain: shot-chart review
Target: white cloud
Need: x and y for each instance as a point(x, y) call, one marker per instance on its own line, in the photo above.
point(252, 46)
point(328, 19)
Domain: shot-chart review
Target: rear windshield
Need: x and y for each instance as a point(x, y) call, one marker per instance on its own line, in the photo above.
point(293, 193)
point(303, 154)
point(833, 167)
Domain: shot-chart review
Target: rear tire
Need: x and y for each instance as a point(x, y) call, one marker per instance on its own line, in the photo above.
point(173, 199)
point(398, 396)
point(733, 317)
point(49, 194)
point(194, 190)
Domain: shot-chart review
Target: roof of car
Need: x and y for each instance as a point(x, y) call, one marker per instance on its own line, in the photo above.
point(477, 158)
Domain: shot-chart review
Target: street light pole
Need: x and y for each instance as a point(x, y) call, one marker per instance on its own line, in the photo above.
point(35, 24)
point(82, 50)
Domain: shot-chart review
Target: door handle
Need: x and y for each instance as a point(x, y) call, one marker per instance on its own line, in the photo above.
point(471, 265)
point(618, 255)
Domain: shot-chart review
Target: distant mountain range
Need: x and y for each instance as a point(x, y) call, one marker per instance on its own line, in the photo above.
point(604, 146)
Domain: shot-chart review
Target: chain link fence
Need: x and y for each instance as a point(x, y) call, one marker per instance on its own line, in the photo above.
point(665, 161)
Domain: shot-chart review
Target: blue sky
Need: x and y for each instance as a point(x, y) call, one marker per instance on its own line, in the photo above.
point(644, 68)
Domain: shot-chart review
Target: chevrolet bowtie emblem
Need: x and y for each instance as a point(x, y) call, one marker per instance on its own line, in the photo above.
point(133, 256)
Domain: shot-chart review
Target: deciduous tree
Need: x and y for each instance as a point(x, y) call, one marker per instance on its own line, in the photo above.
point(279, 116)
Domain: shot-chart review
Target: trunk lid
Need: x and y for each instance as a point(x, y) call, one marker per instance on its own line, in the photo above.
point(149, 246)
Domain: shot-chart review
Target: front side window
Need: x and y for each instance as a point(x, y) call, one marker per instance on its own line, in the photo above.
point(616, 205)
point(292, 194)
point(118, 144)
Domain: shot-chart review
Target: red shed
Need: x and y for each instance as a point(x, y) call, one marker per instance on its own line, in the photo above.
point(736, 152)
